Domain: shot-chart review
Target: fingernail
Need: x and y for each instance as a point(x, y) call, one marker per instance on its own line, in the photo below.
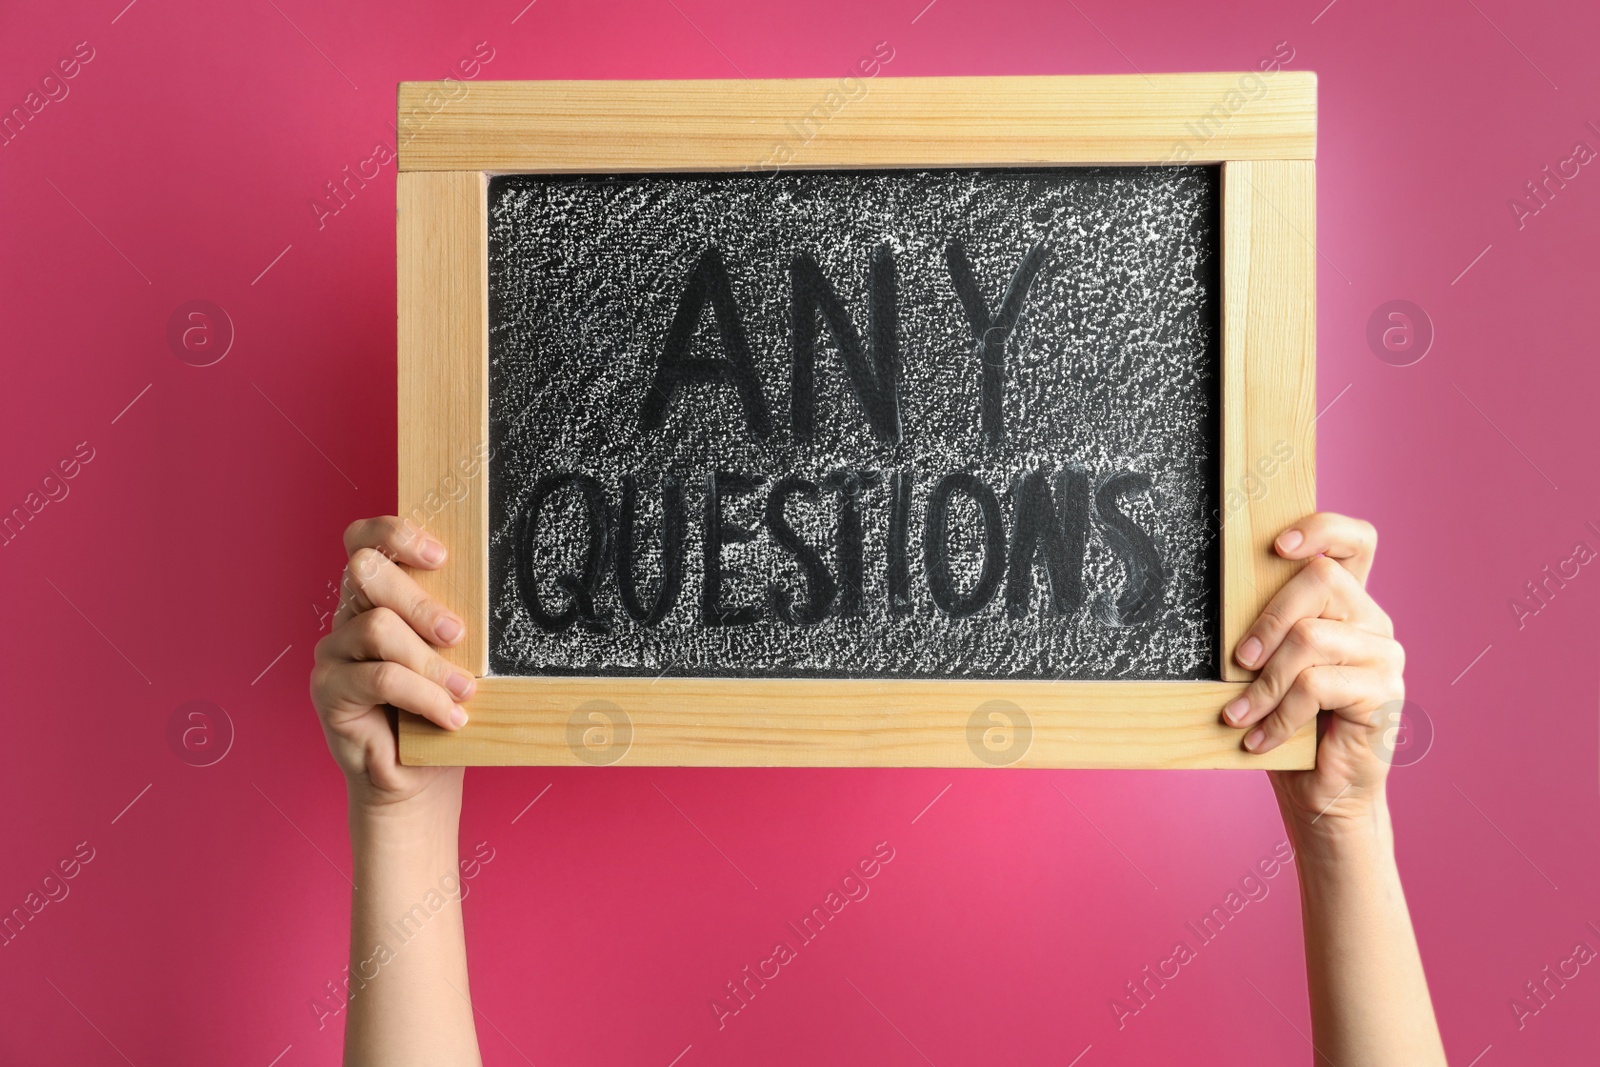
point(448, 629)
point(1250, 651)
point(431, 552)
point(459, 685)
point(1236, 710)
point(458, 718)
point(1290, 540)
point(1253, 742)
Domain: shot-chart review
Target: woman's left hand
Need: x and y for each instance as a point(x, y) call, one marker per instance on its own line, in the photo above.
point(1324, 645)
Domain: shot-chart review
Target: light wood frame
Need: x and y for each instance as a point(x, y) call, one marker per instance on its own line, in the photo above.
point(1261, 129)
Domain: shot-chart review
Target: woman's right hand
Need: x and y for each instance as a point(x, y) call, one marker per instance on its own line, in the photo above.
point(381, 655)
point(1325, 649)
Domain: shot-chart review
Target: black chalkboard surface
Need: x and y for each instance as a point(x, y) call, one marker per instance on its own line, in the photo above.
point(916, 424)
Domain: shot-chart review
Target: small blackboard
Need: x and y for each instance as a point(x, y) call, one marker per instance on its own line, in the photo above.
point(947, 423)
point(856, 424)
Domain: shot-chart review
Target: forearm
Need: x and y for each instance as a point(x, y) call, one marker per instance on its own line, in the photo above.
point(1369, 995)
point(408, 963)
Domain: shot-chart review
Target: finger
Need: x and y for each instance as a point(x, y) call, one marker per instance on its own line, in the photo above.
point(1323, 589)
point(369, 684)
point(380, 634)
point(1352, 542)
point(397, 538)
point(372, 580)
point(1311, 643)
point(1352, 692)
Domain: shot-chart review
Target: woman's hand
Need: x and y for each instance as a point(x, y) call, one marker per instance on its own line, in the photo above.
point(404, 821)
point(1323, 645)
point(380, 656)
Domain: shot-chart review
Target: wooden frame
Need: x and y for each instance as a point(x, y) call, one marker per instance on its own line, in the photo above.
point(1260, 128)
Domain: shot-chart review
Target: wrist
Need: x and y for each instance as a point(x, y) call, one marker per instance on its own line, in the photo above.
point(400, 851)
point(1334, 841)
point(437, 805)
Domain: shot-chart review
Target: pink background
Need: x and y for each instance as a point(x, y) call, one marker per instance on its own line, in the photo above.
point(197, 546)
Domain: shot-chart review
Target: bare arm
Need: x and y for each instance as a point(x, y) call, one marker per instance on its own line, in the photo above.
point(409, 1001)
point(1325, 647)
point(1369, 996)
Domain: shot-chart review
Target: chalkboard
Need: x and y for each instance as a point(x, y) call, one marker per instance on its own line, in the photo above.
point(947, 423)
point(960, 440)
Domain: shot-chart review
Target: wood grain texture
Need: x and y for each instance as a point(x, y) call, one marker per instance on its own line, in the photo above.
point(442, 250)
point(617, 126)
point(725, 722)
point(1269, 380)
point(1268, 398)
